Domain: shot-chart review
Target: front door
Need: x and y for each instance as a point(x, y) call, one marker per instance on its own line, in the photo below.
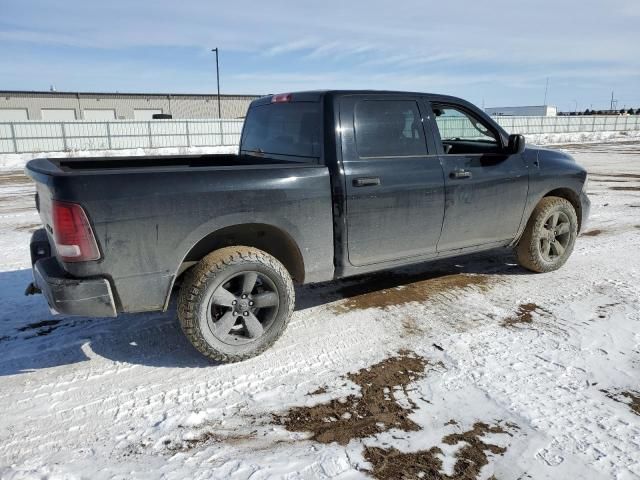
point(485, 186)
point(394, 182)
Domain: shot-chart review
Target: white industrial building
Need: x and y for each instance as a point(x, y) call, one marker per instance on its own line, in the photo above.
point(528, 111)
point(18, 106)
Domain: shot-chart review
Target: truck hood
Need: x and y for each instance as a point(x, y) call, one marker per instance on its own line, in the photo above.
point(539, 153)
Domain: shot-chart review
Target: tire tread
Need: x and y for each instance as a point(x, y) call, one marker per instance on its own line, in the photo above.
point(194, 286)
point(526, 250)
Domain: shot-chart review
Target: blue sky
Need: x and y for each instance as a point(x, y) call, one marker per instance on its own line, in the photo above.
point(491, 52)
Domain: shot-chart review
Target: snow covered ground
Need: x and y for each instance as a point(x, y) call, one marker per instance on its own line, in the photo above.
point(476, 367)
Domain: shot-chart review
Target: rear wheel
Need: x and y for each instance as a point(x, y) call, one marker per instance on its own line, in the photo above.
point(549, 237)
point(235, 303)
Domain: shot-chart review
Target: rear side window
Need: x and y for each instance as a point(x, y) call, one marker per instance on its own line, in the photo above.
point(283, 129)
point(388, 128)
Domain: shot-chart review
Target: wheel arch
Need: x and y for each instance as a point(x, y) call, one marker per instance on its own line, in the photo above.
point(272, 240)
point(572, 197)
point(562, 192)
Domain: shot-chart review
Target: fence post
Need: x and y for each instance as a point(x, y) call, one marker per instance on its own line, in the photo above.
point(109, 135)
point(221, 133)
point(13, 137)
point(150, 138)
point(64, 137)
point(186, 126)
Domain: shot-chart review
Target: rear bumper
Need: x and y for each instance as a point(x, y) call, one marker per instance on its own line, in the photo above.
point(89, 297)
point(585, 207)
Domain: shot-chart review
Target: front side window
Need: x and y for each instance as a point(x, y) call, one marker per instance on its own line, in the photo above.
point(461, 132)
point(388, 128)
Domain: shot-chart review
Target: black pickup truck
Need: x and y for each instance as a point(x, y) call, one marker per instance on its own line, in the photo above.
point(326, 184)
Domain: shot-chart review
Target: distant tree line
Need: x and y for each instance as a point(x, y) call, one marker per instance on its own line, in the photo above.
point(622, 111)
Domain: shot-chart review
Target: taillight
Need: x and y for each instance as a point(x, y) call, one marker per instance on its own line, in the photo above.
point(72, 233)
point(281, 98)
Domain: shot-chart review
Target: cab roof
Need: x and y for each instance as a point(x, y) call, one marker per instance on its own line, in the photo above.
point(317, 95)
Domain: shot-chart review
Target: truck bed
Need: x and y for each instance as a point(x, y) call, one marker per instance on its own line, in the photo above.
point(149, 213)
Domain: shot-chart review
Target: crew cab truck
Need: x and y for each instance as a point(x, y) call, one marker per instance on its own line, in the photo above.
point(326, 184)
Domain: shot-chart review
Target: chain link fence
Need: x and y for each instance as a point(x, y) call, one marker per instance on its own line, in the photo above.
point(35, 136)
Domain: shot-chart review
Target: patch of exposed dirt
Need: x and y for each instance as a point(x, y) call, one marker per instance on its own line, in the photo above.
point(593, 233)
point(610, 180)
point(374, 411)
point(523, 315)
point(14, 178)
point(410, 327)
point(617, 175)
point(31, 227)
point(205, 438)
point(318, 391)
point(630, 398)
point(391, 291)
point(626, 189)
point(393, 464)
point(45, 327)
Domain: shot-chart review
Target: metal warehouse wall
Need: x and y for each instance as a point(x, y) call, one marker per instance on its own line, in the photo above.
point(124, 105)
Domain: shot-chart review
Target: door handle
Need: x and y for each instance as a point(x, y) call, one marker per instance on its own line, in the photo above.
point(366, 182)
point(460, 173)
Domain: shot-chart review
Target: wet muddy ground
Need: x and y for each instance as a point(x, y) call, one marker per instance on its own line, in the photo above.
point(473, 454)
point(372, 410)
point(386, 290)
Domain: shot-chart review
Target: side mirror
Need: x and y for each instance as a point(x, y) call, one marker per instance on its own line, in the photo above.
point(516, 144)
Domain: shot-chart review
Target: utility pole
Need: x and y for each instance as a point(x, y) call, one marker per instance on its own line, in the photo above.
point(215, 50)
point(614, 102)
point(611, 104)
point(546, 89)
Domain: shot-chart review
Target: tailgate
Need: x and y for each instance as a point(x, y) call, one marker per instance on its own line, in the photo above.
point(40, 170)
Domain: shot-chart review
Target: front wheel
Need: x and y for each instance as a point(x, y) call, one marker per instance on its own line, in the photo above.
point(549, 237)
point(235, 303)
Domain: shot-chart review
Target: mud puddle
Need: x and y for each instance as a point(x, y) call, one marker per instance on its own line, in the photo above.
point(374, 411)
point(592, 233)
point(390, 463)
point(385, 291)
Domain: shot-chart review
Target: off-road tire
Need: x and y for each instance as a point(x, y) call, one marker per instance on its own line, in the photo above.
point(200, 283)
point(528, 250)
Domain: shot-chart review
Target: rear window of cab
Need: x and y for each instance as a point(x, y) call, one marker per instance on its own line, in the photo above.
point(291, 129)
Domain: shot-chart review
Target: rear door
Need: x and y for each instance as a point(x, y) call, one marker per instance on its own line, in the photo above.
point(394, 180)
point(485, 186)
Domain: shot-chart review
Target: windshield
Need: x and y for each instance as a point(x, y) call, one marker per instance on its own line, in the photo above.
point(283, 129)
